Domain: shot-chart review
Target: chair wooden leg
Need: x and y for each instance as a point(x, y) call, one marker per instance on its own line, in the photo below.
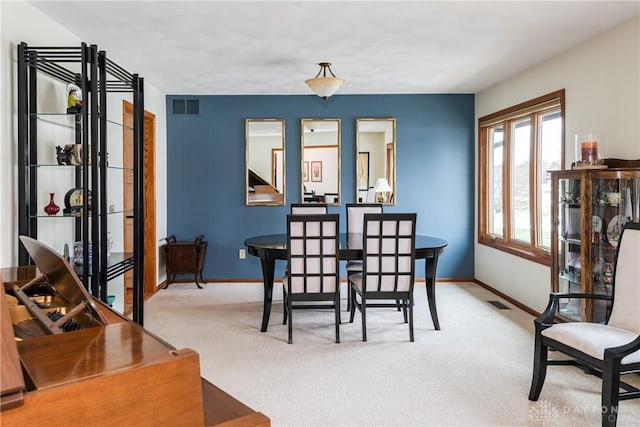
point(289, 309)
point(610, 391)
point(284, 316)
point(404, 310)
point(353, 306)
point(338, 320)
point(349, 292)
point(540, 354)
point(363, 310)
point(410, 318)
point(285, 307)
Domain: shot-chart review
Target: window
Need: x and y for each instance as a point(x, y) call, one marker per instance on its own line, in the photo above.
point(518, 146)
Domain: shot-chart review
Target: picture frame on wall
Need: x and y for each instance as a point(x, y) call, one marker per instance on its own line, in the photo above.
point(316, 171)
point(362, 170)
point(305, 171)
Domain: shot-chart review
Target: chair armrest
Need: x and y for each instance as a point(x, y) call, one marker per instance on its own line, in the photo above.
point(546, 319)
point(618, 353)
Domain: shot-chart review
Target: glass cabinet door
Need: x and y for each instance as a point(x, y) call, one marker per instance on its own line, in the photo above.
point(614, 201)
point(569, 246)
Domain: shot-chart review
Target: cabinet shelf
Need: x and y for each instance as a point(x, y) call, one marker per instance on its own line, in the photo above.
point(604, 246)
point(119, 124)
point(571, 240)
point(77, 166)
point(129, 212)
point(570, 277)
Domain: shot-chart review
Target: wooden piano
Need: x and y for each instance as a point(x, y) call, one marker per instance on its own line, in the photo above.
point(69, 359)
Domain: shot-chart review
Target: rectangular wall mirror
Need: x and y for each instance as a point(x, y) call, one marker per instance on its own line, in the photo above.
point(264, 161)
point(320, 160)
point(376, 160)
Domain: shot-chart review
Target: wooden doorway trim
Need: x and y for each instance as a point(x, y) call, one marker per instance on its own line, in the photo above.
point(149, 197)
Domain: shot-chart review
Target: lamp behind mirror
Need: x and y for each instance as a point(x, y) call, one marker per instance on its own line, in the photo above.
point(382, 190)
point(265, 162)
point(376, 160)
point(320, 160)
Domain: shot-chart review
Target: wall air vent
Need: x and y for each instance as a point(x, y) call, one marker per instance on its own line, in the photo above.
point(183, 106)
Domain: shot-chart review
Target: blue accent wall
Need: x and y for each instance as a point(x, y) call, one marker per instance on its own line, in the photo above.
point(205, 176)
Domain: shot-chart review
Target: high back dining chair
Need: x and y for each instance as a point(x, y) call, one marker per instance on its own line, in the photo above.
point(355, 225)
point(313, 273)
point(388, 268)
point(308, 208)
point(355, 215)
point(608, 350)
point(301, 209)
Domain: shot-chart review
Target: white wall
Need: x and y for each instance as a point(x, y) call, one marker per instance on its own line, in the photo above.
point(602, 82)
point(22, 22)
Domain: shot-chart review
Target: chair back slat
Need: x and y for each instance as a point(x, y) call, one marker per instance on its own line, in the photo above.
point(312, 252)
point(626, 283)
point(389, 252)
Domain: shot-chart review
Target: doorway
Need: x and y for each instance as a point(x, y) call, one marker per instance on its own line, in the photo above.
point(149, 200)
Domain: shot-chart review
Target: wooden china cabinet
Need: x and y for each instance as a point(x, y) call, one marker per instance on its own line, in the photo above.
point(590, 207)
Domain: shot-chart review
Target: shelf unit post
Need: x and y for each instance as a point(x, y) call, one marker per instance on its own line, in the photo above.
point(23, 155)
point(138, 194)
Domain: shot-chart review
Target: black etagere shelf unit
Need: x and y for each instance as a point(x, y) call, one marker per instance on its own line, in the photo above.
point(96, 76)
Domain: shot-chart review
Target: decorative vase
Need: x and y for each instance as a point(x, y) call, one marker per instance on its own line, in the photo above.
point(51, 208)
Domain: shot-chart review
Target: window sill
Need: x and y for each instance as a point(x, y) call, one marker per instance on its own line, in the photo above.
point(539, 257)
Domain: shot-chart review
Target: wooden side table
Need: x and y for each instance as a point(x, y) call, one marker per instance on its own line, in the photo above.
point(184, 258)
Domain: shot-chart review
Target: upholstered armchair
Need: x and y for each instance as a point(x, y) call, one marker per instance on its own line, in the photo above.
point(607, 350)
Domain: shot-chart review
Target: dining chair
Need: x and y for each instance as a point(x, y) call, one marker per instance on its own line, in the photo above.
point(355, 225)
point(313, 257)
point(308, 208)
point(301, 209)
point(388, 268)
point(606, 350)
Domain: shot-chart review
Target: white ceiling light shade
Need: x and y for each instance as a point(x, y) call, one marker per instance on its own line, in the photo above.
point(324, 86)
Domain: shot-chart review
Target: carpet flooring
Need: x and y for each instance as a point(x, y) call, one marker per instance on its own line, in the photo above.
point(476, 371)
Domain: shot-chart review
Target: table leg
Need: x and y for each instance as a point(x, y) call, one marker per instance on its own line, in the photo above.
point(430, 264)
point(268, 269)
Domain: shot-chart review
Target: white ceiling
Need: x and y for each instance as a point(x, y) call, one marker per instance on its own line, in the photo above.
point(379, 47)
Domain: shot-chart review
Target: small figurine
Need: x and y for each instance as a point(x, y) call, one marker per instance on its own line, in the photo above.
point(64, 155)
point(74, 99)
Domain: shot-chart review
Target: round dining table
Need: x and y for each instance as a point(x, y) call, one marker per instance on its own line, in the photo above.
point(272, 247)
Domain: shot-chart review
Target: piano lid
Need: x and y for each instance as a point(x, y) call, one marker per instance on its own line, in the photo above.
point(63, 280)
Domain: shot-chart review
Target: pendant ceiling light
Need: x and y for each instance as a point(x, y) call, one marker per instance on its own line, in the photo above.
point(324, 86)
